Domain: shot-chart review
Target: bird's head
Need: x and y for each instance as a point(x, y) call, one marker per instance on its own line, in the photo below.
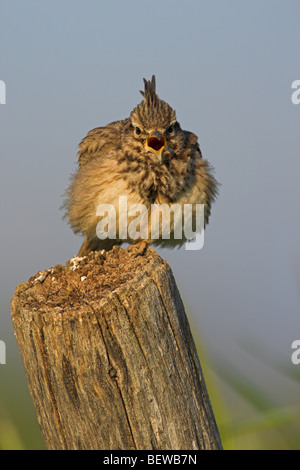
point(153, 124)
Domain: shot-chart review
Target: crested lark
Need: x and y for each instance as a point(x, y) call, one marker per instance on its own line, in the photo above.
point(149, 159)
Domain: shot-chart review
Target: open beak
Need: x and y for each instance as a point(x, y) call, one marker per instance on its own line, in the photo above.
point(156, 143)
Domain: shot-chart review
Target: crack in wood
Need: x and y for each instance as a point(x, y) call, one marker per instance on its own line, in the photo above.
point(69, 380)
point(51, 393)
point(115, 377)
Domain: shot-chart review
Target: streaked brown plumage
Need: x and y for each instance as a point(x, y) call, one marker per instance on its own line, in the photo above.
point(146, 157)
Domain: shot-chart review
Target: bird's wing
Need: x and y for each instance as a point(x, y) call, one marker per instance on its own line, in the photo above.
point(99, 142)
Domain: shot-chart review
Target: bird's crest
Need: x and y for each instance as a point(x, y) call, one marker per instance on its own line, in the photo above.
point(152, 111)
point(149, 93)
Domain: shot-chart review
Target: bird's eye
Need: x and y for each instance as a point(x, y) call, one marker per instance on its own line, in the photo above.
point(170, 129)
point(137, 131)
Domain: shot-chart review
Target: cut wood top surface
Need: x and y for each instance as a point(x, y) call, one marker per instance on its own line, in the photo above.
point(91, 277)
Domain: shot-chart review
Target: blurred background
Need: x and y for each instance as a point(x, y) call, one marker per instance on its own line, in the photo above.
point(227, 69)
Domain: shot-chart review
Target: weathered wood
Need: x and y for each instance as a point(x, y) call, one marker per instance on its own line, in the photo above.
point(109, 356)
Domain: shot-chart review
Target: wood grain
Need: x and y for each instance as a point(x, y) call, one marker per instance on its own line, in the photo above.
point(109, 356)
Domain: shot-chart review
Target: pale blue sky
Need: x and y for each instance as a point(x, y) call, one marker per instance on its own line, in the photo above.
point(227, 69)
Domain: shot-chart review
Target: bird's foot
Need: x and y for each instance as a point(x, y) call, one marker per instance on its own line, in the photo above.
point(139, 249)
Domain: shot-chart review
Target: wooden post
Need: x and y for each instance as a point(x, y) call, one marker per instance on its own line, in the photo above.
point(109, 356)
